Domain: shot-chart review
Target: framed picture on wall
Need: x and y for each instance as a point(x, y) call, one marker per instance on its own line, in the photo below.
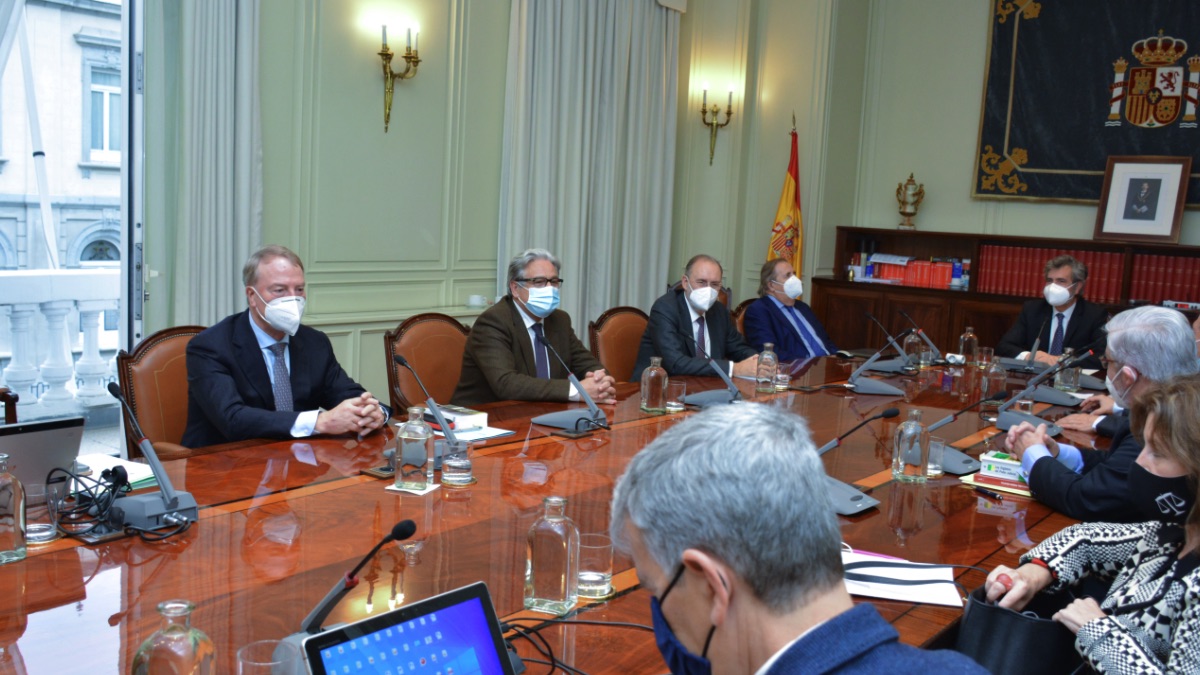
point(1142, 199)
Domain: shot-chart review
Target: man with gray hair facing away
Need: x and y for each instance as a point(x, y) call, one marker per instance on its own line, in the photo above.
point(504, 359)
point(1146, 346)
point(728, 523)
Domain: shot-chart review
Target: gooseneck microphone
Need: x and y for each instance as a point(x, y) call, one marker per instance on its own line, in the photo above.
point(937, 355)
point(704, 399)
point(892, 365)
point(312, 623)
point(429, 402)
point(155, 510)
point(1008, 418)
point(846, 500)
point(870, 386)
point(1028, 364)
point(571, 419)
point(954, 460)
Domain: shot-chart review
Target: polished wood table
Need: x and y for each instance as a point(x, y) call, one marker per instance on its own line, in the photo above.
point(282, 521)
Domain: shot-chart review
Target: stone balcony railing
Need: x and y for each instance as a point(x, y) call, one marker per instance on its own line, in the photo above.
point(42, 368)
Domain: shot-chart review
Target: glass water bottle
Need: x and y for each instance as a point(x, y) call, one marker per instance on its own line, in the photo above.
point(968, 346)
point(414, 446)
point(995, 380)
point(914, 347)
point(654, 387)
point(1067, 379)
point(552, 560)
point(12, 515)
point(177, 648)
point(910, 450)
point(768, 367)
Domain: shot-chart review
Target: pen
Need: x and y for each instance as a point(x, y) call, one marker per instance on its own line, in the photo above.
point(988, 493)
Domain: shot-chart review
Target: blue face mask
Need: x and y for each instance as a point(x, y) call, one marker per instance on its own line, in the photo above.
point(679, 660)
point(542, 301)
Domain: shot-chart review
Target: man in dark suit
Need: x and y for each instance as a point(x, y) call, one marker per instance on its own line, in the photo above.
point(779, 318)
point(691, 315)
point(260, 374)
point(504, 359)
point(1064, 318)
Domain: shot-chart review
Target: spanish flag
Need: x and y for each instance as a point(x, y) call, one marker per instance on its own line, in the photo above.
point(787, 236)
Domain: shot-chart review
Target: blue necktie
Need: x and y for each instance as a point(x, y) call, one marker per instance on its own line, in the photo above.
point(282, 386)
point(539, 353)
point(815, 346)
point(1056, 343)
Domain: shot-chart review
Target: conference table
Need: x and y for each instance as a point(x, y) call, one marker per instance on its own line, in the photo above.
point(282, 521)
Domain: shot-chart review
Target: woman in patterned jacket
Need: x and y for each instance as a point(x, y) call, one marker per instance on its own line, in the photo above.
point(1150, 620)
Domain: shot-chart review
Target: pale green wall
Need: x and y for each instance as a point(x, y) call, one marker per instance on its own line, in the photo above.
point(389, 225)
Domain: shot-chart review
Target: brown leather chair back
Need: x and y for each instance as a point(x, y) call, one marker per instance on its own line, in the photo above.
point(739, 315)
point(614, 337)
point(9, 398)
point(154, 381)
point(433, 344)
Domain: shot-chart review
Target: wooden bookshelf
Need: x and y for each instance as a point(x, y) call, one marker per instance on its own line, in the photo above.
point(1005, 272)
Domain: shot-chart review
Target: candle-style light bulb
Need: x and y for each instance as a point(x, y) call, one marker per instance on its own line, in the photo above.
point(704, 104)
point(409, 38)
point(729, 104)
point(385, 36)
point(417, 41)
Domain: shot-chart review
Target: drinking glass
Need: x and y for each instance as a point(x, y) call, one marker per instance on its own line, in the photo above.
point(267, 657)
point(595, 565)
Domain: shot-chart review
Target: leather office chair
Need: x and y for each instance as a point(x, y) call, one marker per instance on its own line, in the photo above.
point(433, 344)
point(614, 337)
point(154, 381)
point(9, 398)
point(739, 315)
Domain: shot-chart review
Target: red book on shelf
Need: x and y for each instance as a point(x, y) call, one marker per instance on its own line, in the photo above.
point(1159, 280)
point(1112, 277)
point(1171, 283)
point(1141, 272)
point(1010, 269)
point(1193, 279)
point(985, 269)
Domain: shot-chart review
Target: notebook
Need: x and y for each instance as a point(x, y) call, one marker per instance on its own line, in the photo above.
point(455, 632)
point(34, 448)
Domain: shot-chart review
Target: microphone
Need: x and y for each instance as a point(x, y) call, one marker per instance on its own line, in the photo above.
point(570, 419)
point(1008, 419)
point(449, 445)
point(871, 386)
point(846, 500)
point(312, 623)
point(892, 365)
point(154, 510)
point(1036, 343)
point(1028, 364)
point(937, 355)
point(954, 460)
point(704, 399)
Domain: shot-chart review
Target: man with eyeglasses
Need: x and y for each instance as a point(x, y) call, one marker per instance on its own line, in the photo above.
point(1146, 346)
point(688, 322)
point(1065, 319)
point(504, 359)
point(741, 554)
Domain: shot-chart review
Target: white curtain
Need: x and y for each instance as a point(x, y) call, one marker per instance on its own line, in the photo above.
point(218, 218)
point(589, 146)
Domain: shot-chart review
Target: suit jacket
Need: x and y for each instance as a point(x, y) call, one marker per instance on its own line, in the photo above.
point(765, 322)
point(669, 335)
point(498, 363)
point(860, 641)
point(1085, 327)
point(1101, 491)
point(229, 390)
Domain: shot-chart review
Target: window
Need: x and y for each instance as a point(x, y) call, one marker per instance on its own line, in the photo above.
point(102, 111)
point(105, 115)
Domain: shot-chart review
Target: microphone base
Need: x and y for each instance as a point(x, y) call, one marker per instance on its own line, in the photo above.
point(1021, 365)
point(846, 500)
point(957, 462)
point(1092, 383)
point(870, 387)
point(892, 366)
point(1009, 419)
point(1044, 394)
point(573, 420)
point(704, 399)
point(297, 640)
point(148, 512)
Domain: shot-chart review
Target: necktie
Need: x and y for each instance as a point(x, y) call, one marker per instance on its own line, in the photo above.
point(1056, 343)
point(700, 337)
point(815, 346)
point(282, 384)
point(539, 353)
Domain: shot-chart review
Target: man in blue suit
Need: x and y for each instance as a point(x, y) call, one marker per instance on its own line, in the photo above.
point(260, 374)
point(779, 318)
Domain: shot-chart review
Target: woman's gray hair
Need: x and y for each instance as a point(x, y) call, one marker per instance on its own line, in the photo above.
point(741, 482)
point(1156, 341)
point(518, 264)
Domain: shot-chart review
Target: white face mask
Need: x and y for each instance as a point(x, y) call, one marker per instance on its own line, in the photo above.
point(1117, 397)
point(283, 314)
point(792, 286)
point(1057, 295)
point(702, 298)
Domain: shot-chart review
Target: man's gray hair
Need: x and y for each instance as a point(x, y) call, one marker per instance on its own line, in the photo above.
point(267, 254)
point(743, 483)
point(518, 264)
point(1156, 341)
point(1079, 271)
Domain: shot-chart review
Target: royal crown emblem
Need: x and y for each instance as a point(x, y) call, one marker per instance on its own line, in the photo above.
point(1155, 92)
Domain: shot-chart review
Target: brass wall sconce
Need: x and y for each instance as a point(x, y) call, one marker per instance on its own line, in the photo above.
point(714, 125)
point(412, 60)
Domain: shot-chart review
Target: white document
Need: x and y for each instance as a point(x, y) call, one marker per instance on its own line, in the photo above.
point(140, 475)
point(480, 434)
point(939, 593)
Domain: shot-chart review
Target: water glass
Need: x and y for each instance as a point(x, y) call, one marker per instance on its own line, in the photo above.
point(783, 381)
point(1024, 405)
point(986, 354)
point(937, 449)
point(925, 360)
point(456, 465)
point(1067, 380)
point(42, 513)
point(268, 657)
point(676, 392)
point(595, 565)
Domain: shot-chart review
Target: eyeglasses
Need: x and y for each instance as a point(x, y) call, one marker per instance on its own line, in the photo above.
point(541, 282)
point(1105, 361)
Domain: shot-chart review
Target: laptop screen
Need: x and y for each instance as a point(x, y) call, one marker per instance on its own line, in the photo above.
point(34, 448)
point(453, 633)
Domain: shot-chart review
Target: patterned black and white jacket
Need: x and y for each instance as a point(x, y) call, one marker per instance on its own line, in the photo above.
point(1153, 606)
